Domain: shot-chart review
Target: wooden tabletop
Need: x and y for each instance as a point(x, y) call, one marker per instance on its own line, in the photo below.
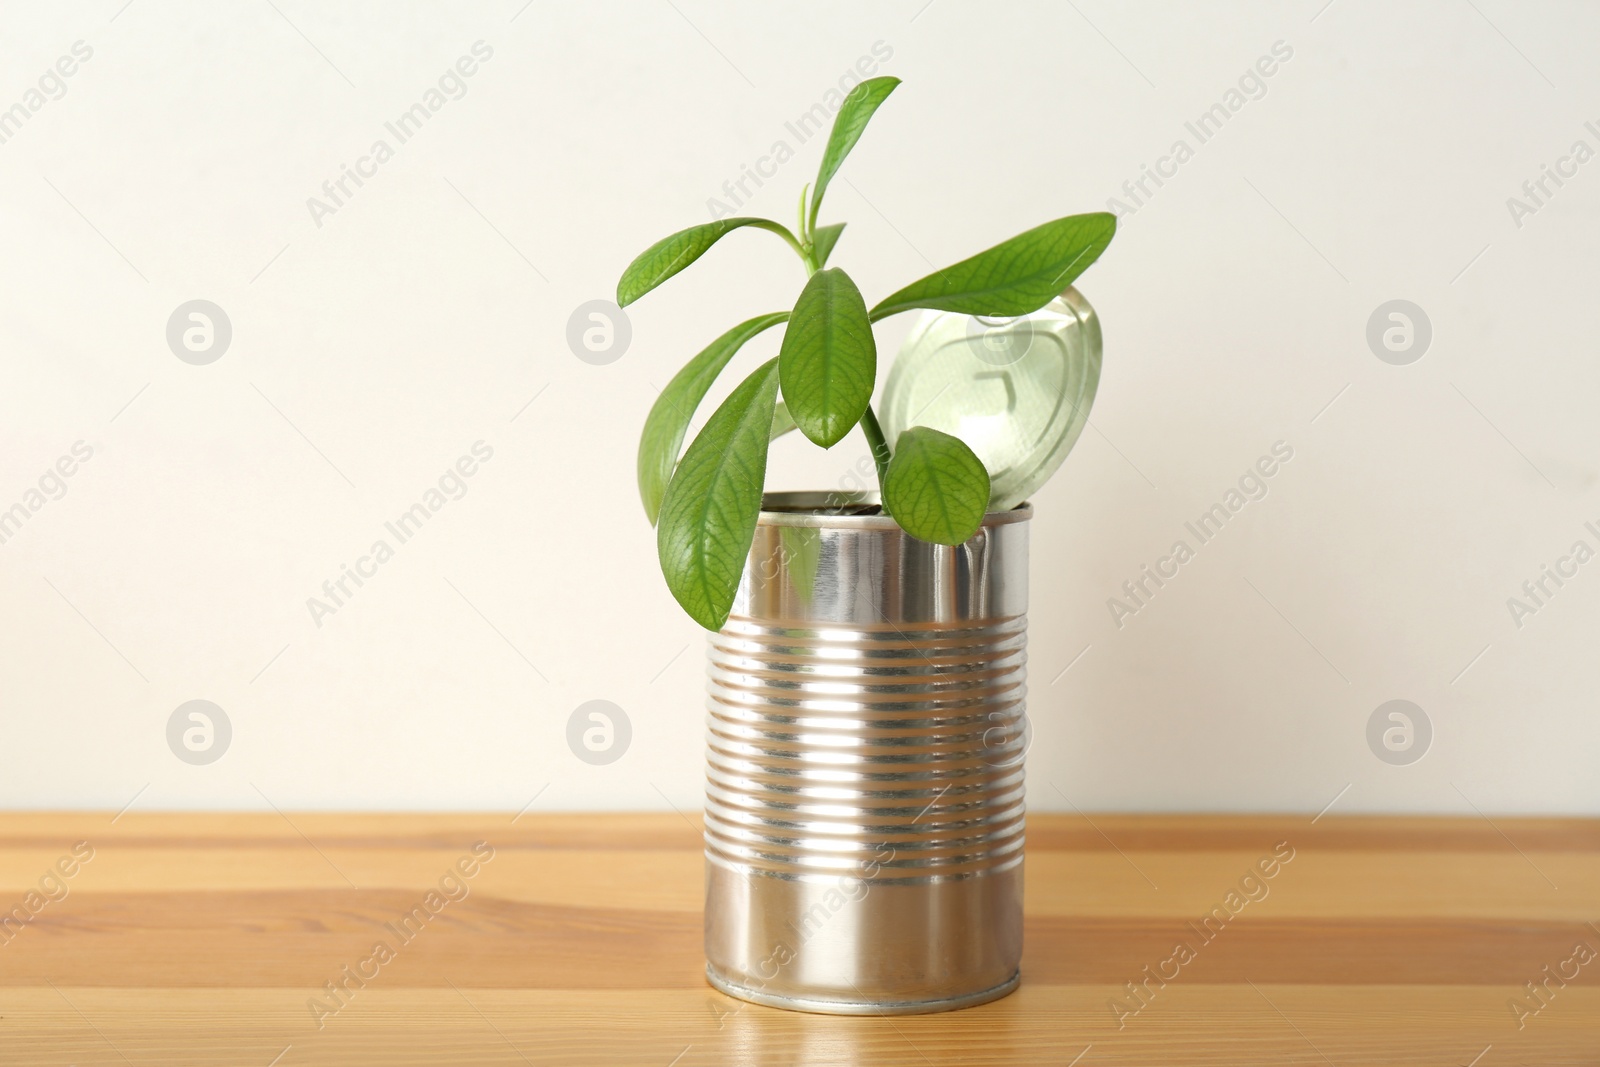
point(575, 939)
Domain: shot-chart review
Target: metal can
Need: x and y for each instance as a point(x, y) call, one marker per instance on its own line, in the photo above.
point(864, 782)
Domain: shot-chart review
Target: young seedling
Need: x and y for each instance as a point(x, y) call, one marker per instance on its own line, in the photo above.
point(706, 504)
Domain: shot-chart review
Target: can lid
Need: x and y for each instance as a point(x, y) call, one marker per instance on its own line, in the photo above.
point(1017, 391)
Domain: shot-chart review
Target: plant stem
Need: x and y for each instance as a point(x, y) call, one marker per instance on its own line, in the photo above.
point(807, 249)
point(880, 447)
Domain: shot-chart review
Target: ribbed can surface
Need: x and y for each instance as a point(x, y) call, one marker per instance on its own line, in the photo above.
point(864, 795)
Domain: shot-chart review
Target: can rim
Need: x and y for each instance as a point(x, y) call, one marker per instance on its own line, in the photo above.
point(844, 510)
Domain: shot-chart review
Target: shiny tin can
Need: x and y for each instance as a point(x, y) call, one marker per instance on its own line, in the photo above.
point(864, 785)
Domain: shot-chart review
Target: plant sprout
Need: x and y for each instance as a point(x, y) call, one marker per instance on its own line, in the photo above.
point(706, 504)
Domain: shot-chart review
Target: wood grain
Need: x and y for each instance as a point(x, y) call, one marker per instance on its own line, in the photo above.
point(203, 939)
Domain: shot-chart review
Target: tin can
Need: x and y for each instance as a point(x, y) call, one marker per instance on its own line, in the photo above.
point(864, 786)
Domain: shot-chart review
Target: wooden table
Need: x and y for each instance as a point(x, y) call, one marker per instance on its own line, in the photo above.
point(208, 939)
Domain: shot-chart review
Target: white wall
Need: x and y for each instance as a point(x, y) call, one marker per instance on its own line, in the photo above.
point(372, 350)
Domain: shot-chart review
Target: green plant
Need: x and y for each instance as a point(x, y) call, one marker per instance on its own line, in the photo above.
point(706, 504)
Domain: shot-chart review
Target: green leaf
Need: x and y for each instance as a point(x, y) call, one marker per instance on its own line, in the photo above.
point(671, 254)
point(829, 361)
point(708, 516)
point(822, 241)
point(669, 418)
point(782, 421)
point(1014, 277)
point(848, 125)
point(937, 489)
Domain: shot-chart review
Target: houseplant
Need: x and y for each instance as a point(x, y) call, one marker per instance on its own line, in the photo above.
point(864, 830)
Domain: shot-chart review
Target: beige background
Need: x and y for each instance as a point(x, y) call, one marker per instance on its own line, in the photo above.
point(430, 312)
